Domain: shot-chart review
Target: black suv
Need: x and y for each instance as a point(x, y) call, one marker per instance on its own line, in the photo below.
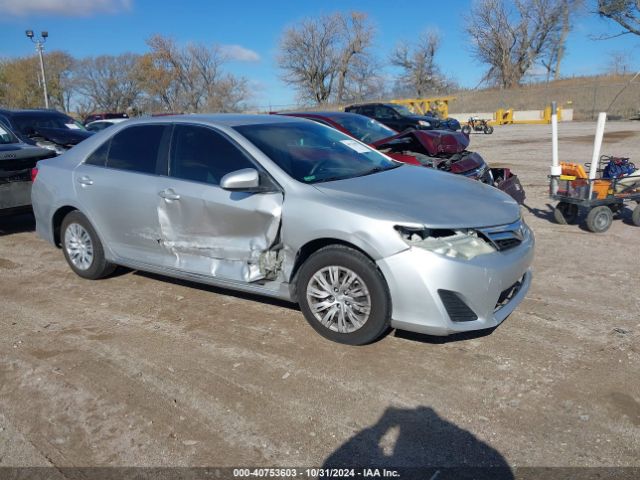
point(400, 117)
point(49, 129)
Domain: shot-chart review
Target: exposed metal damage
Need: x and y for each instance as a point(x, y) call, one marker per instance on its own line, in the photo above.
point(241, 244)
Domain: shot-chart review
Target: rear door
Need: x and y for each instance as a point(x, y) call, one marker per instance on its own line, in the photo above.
point(118, 187)
point(208, 230)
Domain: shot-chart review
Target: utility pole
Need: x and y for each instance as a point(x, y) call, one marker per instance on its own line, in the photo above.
point(39, 42)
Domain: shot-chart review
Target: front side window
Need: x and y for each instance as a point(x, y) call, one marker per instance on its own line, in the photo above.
point(137, 149)
point(402, 110)
point(203, 155)
point(385, 112)
point(313, 153)
point(6, 136)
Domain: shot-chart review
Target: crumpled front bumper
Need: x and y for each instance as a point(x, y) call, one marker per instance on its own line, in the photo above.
point(415, 276)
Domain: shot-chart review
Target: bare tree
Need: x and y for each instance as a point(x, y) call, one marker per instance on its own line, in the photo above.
point(624, 12)
point(108, 82)
point(318, 55)
point(357, 35)
point(552, 58)
point(420, 73)
point(619, 63)
point(510, 37)
point(189, 78)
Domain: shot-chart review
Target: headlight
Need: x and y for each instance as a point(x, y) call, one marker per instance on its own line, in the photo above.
point(465, 244)
point(51, 146)
point(424, 123)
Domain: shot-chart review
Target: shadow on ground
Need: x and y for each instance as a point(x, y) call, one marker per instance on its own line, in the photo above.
point(220, 290)
point(545, 214)
point(420, 443)
point(11, 224)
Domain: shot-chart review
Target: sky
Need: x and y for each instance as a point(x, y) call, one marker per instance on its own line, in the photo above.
point(250, 31)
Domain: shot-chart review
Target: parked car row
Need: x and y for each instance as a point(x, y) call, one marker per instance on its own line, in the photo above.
point(440, 149)
point(286, 207)
point(17, 162)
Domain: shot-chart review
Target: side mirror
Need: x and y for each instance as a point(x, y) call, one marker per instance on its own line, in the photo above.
point(245, 179)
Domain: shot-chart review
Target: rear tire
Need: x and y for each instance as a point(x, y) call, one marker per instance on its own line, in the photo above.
point(488, 129)
point(599, 219)
point(82, 247)
point(635, 216)
point(343, 296)
point(565, 213)
point(466, 129)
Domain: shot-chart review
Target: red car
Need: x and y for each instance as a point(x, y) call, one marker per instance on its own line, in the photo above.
point(442, 149)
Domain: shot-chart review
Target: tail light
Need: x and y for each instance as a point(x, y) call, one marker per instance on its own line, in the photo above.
point(34, 173)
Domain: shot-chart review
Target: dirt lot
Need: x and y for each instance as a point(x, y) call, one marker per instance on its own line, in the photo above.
point(143, 370)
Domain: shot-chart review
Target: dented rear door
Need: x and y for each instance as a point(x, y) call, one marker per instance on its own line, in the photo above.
point(206, 229)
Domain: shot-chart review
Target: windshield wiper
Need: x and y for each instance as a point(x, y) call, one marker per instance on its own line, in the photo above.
point(379, 169)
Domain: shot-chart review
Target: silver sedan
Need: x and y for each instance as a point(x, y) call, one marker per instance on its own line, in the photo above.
point(290, 209)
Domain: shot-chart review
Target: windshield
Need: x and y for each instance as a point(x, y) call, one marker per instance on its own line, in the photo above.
point(25, 123)
point(402, 110)
point(365, 129)
point(6, 136)
point(313, 153)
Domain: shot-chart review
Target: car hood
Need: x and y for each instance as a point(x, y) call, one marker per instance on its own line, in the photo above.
point(423, 196)
point(63, 136)
point(434, 142)
point(448, 123)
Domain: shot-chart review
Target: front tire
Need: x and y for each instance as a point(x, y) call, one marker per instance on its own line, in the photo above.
point(599, 219)
point(343, 296)
point(488, 129)
point(466, 129)
point(635, 216)
point(565, 213)
point(82, 247)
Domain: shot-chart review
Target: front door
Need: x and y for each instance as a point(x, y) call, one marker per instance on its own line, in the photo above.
point(208, 230)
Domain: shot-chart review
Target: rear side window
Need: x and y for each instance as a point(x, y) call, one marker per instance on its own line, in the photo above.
point(136, 149)
point(203, 155)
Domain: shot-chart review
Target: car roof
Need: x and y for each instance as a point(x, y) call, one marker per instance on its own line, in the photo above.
point(108, 120)
point(223, 119)
point(8, 112)
point(327, 114)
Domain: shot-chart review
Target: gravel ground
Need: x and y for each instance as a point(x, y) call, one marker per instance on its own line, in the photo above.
point(141, 370)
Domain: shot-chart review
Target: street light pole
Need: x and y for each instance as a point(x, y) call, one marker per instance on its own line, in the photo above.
point(39, 42)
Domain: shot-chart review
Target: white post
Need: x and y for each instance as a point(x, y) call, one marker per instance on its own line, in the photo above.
point(597, 144)
point(556, 169)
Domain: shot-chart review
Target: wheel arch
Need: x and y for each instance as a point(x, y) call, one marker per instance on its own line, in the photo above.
point(56, 222)
point(313, 246)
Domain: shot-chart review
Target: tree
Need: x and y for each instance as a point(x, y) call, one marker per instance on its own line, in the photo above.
point(190, 78)
point(22, 83)
point(619, 63)
point(625, 13)
point(420, 73)
point(318, 55)
point(108, 82)
point(511, 37)
point(552, 58)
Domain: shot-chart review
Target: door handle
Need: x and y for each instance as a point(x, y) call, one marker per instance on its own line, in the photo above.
point(169, 194)
point(85, 181)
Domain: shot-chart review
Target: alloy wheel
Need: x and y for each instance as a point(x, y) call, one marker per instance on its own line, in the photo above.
point(339, 299)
